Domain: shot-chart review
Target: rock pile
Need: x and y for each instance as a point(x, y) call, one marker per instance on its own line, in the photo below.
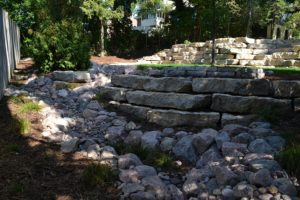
point(233, 51)
point(236, 162)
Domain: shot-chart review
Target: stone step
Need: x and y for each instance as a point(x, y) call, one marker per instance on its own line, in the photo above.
point(251, 104)
point(166, 84)
point(257, 87)
point(175, 118)
point(169, 100)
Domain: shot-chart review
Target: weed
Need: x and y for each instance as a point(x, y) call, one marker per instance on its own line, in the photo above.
point(289, 161)
point(30, 107)
point(161, 160)
point(98, 175)
point(14, 148)
point(24, 125)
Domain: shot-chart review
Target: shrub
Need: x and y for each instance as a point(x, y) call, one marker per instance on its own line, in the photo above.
point(98, 175)
point(60, 46)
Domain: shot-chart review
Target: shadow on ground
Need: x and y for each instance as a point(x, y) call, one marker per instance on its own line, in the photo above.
point(32, 168)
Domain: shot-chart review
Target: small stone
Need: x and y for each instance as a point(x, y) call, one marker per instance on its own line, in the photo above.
point(260, 125)
point(262, 190)
point(130, 126)
point(261, 132)
point(70, 145)
point(176, 194)
point(243, 190)
point(265, 197)
point(63, 93)
point(142, 196)
point(271, 165)
point(155, 185)
point(114, 133)
point(235, 129)
point(89, 114)
point(181, 134)
point(273, 189)
point(276, 142)
point(132, 188)
point(227, 193)
point(94, 105)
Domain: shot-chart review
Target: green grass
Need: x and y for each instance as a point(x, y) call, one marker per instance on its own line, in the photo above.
point(30, 107)
point(150, 157)
point(24, 125)
point(285, 70)
point(98, 175)
point(19, 125)
point(72, 86)
point(161, 66)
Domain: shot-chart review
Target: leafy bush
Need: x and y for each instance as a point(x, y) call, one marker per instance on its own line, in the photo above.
point(61, 45)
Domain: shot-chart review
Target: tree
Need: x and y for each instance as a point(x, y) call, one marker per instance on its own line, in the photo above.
point(104, 11)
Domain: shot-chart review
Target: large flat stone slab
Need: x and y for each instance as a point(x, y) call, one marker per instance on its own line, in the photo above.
point(237, 119)
point(72, 76)
point(285, 88)
point(166, 84)
point(173, 118)
point(257, 87)
point(251, 104)
point(113, 93)
point(138, 112)
point(169, 100)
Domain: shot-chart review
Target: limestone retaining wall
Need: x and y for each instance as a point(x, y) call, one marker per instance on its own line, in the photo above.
point(233, 51)
point(201, 101)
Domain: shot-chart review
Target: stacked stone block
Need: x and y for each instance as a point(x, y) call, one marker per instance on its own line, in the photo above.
point(201, 101)
point(233, 51)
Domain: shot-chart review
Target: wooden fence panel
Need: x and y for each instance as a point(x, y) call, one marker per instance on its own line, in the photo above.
point(9, 48)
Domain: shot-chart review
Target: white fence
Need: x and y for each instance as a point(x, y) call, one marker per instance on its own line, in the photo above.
point(9, 48)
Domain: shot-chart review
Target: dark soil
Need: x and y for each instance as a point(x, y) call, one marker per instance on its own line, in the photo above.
point(33, 168)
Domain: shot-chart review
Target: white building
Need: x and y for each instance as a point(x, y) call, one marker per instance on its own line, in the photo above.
point(149, 21)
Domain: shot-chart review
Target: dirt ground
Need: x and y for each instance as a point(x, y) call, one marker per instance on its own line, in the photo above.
point(32, 168)
point(110, 60)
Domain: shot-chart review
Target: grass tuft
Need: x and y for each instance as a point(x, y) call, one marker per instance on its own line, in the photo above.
point(288, 159)
point(98, 175)
point(30, 107)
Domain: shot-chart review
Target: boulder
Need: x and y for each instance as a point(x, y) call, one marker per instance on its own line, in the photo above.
point(113, 93)
point(155, 185)
point(134, 138)
point(224, 174)
point(72, 77)
point(243, 190)
point(276, 142)
point(203, 140)
point(167, 144)
point(244, 138)
point(128, 160)
point(260, 146)
point(142, 196)
point(221, 138)
point(271, 165)
point(211, 155)
point(237, 119)
point(176, 193)
point(285, 186)
point(261, 178)
point(70, 145)
point(150, 140)
point(234, 149)
point(184, 149)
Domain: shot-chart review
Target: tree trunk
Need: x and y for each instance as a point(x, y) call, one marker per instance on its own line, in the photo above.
point(249, 24)
point(102, 47)
point(213, 60)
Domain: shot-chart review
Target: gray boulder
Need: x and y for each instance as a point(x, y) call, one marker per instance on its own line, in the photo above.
point(234, 149)
point(235, 129)
point(150, 140)
point(155, 185)
point(261, 178)
point(224, 174)
point(285, 186)
point(184, 149)
point(221, 138)
point(128, 160)
point(142, 196)
point(243, 190)
point(271, 165)
point(70, 145)
point(211, 155)
point(134, 138)
point(167, 144)
point(203, 140)
point(244, 138)
point(276, 142)
point(260, 146)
